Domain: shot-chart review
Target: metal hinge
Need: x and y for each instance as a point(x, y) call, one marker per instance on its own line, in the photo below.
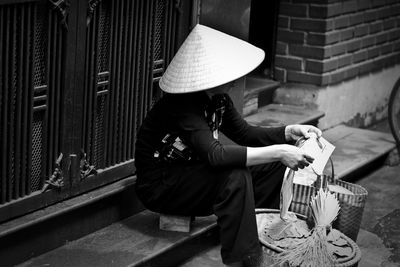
point(85, 167)
point(56, 180)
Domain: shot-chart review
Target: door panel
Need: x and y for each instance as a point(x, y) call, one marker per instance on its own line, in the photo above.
point(76, 83)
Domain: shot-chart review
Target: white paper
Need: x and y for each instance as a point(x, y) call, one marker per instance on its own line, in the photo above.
point(320, 150)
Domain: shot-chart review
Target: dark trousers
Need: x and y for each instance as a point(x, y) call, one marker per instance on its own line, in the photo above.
point(232, 194)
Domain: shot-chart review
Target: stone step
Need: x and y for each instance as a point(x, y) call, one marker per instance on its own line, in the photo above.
point(357, 152)
point(135, 241)
point(281, 114)
point(43, 230)
point(259, 91)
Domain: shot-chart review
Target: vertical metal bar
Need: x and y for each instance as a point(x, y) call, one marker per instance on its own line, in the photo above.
point(58, 92)
point(146, 64)
point(18, 115)
point(132, 58)
point(87, 93)
point(141, 68)
point(150, 56)
point(107, 97)
point(2, 135)
point(11, 125)
point(51, 91)
point(169, 31)
point(117, 135)
point(91, 108)
point(30, 101)
point(26, 110)
point(5, 33)
point(113, 81)
point(124, 83)
point(111, 64)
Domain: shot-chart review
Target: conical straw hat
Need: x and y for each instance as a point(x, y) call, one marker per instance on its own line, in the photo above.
point(209, 58)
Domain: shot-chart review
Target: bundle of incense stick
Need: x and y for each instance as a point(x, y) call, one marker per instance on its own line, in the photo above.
point(313, 251)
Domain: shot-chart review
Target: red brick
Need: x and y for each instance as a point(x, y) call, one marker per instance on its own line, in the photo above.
point(396, 46)
point(293, 10)
point(344, 60)
point(338, 49)
point(389, 23)
point(341, 22)
point(363, 4)
point(368, 41)
point(288, 62)
point(317, 66)
point(283, 22)
point(349, 6)
point(308, 78)
point(381, 38)
point(351, 72)
point(361, 30)
point(377, 3)
point(375, 27)
point(357, 18)
point(370, 15)
point(386, 48)
point(366, 67)
point(388, 2)
point(325, 11)
point(314, 25)
point(337, 76)
point(280, 74)
point(385, 12)
point(290, 36)
point(360, 56)
point(393, 34)
point(346, 34)
point(281, 48)
point(307, 51)
point(353, 45)
point(373, 52)
point(323, 39)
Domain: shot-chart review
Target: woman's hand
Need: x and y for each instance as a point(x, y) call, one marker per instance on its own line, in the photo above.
point(294, 157)
point(296, 131)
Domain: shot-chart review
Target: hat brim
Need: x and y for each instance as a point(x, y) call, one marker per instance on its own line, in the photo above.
point(209, 58)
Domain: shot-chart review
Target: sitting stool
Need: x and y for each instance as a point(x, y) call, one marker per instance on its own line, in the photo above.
point(175, 223)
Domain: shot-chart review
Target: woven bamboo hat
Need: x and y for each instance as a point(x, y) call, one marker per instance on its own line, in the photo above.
point(209, 58)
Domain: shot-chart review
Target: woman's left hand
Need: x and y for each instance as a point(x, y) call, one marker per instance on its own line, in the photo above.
point(296, 131)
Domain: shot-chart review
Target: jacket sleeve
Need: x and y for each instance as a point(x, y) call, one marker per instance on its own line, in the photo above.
point(239, 131)
point(195, 132)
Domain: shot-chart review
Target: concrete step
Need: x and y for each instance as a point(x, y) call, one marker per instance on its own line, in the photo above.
point(280, 114)
point(135, 241)
point(43, 230)
point(259, 91)
point(357, 152)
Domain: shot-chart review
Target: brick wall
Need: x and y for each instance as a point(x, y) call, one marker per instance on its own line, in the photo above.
point(324, 42)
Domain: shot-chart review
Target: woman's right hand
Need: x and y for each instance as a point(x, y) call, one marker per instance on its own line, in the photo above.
point(294, 158)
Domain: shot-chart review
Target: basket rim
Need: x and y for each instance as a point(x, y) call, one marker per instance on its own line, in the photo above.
point(349, 261)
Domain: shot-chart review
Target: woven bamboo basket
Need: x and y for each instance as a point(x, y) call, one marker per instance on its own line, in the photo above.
point(351, 260)
point(351, 206)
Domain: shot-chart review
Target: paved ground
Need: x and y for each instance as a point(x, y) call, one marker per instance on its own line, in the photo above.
point(379, 237)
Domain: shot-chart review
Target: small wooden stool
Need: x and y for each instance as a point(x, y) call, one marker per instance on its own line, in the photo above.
point(175, 223)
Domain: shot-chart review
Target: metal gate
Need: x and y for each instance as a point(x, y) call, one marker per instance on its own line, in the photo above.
point(76, 80)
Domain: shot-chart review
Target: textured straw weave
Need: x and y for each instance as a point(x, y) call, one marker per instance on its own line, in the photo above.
point(209, 58)
point(352, 260)
point(351, 206)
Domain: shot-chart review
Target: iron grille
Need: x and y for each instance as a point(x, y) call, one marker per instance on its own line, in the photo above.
point(30, 102)
point(125, 55)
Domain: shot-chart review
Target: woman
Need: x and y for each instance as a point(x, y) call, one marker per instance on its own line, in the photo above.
point(182, 166)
